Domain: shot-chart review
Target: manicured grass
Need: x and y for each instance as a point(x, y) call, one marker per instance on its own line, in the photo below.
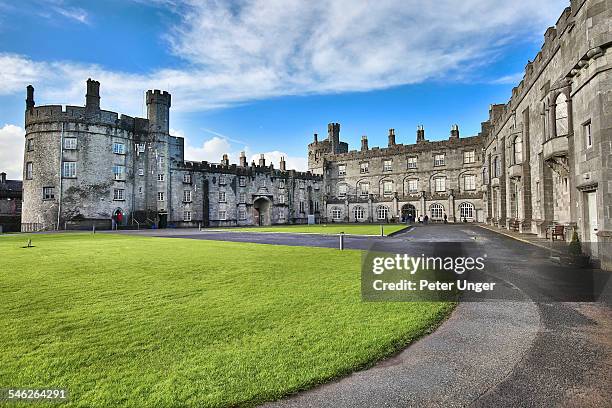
point(162, 322)
point(355, 229)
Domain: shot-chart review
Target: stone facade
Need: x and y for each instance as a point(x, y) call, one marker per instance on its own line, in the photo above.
point(84, 166)
point(548, 150)
point(10, 204)
point(437, 179)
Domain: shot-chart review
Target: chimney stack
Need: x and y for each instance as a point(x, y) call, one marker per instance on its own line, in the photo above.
point(3, 178)
point(92, 97)
point(243, 160)
point(364, 143)
point(262, 160)
point(391, 137)
point(420, 134)
point(283, 164)
point(454, 133)
point(225, 160)
point(316, 138)
point(30, 97)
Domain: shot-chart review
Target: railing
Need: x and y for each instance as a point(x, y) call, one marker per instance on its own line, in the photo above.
point(32, 227)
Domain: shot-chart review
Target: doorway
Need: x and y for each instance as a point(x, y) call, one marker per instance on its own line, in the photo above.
point(163, 220)
point(261, 207)
point(591, 222)
point(408, 212)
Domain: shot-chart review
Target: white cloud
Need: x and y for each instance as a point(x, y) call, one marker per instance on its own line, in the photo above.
point(509, 79)
point(11, 151)
point(253, 49)
point(73, 13)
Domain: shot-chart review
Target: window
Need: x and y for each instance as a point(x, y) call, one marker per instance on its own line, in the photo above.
point(341, 169)
point(221, 196)
point(496, 167)
point(316, 206)
point(222, 214)
point(281, 199)
point(302, 206)
point(469, 157)
point(364, 168)
point(561, 119)
point(70, 143)
point(242, 214)
point(281, 216)
point(466, 210)
point(387, 165)
point(315, 185)
point(139, 190)
point(160, 177)
point(30, 145)
point(439, 160)
point(364, 189)
point(222, 180)
point(242, 197)
point(242, 181)
point(387, 187)
point(29, 170)
point(382, 212)
point(469, 182)
point(186, 215)
point(187, 178)
point(302, 184)
point(336, 213)
point(412, 162)
point(141, 172)
point(437, 211)
point(342, 189)
point(140, 147)
point(588, 136)
point(69, 170)
point(413, 185)
point(118, 148)
point(440, 184)
point(119, 194)
point(358, 212)
point(160, 196)
point(119, 172)
point(328, 189)
point(517, 150)
point(48, 193)
point(187, 196)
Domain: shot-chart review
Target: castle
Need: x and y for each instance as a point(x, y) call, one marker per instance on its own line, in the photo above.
point(540, 161)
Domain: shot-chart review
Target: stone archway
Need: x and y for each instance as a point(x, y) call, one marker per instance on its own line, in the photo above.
point(261, 211)
point(408, 210)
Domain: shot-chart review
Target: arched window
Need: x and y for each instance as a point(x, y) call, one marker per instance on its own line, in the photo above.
point(466, 210)
point(336, 213)
point(484, 175)
point(517, 150)
point(496, 167)
point(358, 212)
point(382, 212)
point(561, 118)
point(437, 211)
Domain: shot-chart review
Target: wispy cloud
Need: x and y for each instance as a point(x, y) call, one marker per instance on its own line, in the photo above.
point(509, 79)
point(73, 13)
point(234, 52)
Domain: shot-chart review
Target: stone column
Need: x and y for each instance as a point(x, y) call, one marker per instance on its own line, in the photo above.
point(423, 204)
point(451, 207)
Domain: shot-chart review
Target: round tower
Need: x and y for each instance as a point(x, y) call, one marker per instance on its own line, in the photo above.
point(158, 110)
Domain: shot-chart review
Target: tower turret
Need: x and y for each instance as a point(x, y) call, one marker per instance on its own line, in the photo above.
point(262, 160)
point(243, 160)
point(333, 135)
point(92, 97)
point(283, 165)
point(29, 97)
point(364, 143)
point(158, 110)
point(225, 160)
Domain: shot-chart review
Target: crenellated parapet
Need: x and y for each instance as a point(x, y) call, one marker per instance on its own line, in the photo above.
point(207, 167)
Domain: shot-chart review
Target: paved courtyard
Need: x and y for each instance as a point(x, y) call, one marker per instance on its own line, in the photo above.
point(546, 341)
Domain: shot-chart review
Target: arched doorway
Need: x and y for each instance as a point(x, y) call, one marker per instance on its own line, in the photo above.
point(261, 209)
point(408, 212)
point(118, 218)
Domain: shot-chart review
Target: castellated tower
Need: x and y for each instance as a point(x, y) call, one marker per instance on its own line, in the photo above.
point(158, 111)
point(319, 151)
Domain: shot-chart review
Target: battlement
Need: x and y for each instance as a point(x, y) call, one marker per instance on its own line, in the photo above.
point(79, 114)
point(158, 97)
point(205, 166)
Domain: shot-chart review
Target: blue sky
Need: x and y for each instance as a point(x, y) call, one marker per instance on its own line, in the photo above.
point(264, 75)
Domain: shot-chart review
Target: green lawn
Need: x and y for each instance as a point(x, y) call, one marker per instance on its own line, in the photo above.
point(355, 229)
point(162, 322)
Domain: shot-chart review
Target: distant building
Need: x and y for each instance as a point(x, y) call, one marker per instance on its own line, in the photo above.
point(10, 204)
point(85, 166)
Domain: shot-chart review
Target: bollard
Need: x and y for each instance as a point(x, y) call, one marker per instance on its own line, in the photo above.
point(382, 230)
point(93, 229)
point(342, 241)
point(200, 226)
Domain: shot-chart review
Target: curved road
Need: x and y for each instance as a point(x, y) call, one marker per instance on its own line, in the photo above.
point(550, 346)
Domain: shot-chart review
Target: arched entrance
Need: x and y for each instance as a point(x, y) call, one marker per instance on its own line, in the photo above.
point(408, 211)
point(118, 218)
point(261, 211)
